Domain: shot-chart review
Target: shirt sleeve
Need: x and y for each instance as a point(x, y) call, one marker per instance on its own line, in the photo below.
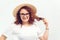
point(12, 32)
point(41, 28)
point(8, 32)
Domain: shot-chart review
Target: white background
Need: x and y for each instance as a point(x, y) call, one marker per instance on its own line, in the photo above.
point(49, 9)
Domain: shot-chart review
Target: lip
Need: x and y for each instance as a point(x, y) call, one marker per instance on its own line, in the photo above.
point(24, 18)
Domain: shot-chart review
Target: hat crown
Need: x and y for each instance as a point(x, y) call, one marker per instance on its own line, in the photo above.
point(21, 5)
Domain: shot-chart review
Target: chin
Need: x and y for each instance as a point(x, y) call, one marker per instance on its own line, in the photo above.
point(25, 20)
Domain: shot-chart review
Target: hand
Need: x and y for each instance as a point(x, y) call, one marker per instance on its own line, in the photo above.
point(2, 37)
point(46, 23)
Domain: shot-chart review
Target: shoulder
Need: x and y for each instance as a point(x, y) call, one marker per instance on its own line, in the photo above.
point(38, 23)
point(13, 26)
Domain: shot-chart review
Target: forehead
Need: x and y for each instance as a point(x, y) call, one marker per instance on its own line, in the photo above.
point(23, 11)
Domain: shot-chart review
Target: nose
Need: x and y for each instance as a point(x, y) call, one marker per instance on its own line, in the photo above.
point(24, 16)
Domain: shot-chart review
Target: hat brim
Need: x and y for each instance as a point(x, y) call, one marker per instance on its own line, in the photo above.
point(21, 5)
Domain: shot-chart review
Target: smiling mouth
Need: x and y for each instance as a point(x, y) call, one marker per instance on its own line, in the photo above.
point(24, 18)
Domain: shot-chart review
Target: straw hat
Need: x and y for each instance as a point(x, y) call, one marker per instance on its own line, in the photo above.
point(21, 5)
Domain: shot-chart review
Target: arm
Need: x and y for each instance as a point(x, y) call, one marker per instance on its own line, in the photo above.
point(3, 37)
point(45, 35)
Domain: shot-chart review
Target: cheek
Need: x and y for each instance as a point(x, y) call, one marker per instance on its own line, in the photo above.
point(21, 17)
point(28, 17)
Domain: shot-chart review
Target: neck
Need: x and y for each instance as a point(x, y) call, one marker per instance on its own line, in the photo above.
point(25, 23)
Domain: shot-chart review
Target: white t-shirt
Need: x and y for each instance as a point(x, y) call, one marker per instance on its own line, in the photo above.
point(33, 32)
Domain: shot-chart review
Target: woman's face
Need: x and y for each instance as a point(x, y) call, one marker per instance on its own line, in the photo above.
point(24, 14)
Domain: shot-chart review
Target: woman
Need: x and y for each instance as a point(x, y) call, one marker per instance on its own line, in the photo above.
point(25, 15)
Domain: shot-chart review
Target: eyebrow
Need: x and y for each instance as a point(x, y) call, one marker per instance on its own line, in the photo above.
point(24, 13)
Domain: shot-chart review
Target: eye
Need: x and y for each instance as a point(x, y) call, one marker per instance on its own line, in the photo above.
point(27, 13)
point(21, 13)
point(24, 13)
